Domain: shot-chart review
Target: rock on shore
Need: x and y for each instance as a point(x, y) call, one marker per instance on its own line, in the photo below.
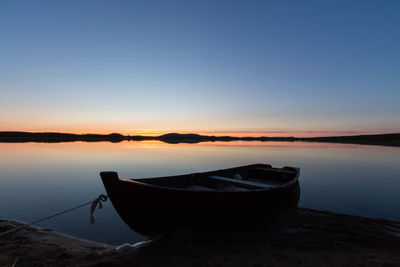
point(301, 237)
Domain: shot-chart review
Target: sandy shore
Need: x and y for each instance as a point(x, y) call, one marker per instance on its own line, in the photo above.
point(298, 238)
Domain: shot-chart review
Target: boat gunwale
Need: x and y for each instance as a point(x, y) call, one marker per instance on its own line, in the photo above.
point(260, 189)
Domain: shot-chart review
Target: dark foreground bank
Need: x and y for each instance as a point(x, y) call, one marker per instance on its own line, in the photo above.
point(301, 237)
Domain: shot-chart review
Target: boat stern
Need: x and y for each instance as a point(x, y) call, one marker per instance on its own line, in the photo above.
point(110, 179)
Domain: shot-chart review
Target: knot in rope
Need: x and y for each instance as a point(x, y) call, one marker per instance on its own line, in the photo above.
point(97, 201)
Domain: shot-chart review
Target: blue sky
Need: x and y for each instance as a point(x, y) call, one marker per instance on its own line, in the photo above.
point(200, 66)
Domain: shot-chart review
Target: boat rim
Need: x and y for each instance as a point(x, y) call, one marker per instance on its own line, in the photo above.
point(138, 182)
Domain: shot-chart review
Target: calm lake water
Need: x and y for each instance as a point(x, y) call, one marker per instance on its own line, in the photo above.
point(37, 180)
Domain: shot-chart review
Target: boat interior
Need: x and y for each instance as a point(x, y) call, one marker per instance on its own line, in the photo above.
point(247, 178)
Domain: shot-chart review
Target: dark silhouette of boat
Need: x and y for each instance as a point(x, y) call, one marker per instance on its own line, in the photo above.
point(202, 200)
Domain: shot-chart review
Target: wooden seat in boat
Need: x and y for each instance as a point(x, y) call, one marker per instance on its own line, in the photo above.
point(241, 182)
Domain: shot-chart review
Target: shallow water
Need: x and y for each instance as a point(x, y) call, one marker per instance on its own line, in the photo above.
point(39, 179)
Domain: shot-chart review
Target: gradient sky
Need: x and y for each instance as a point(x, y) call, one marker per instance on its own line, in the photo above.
point(257, 66)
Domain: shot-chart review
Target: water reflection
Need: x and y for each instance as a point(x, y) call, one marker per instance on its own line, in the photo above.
point(40, 179)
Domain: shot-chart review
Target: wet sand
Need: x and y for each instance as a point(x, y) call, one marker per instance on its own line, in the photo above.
point(301, 237)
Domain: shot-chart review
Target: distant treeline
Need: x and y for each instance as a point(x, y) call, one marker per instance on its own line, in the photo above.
point(21, 137)
point(175, 138)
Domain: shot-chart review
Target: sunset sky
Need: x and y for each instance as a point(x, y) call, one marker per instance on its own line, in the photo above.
point(248, 67)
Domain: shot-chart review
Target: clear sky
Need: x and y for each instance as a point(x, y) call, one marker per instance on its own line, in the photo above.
point(217, 66)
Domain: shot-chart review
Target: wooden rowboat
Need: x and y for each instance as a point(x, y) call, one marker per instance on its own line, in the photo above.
point(199, 200)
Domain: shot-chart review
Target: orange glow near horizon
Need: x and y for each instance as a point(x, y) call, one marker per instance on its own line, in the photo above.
point(98, 147)
point(151, 132)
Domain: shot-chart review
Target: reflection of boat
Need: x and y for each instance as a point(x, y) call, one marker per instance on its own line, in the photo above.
point(199, 200)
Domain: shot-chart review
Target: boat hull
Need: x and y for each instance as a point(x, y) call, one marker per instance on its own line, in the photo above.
point(151, 210)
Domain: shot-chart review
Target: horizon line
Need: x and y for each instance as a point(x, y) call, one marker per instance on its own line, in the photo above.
point(207, 133)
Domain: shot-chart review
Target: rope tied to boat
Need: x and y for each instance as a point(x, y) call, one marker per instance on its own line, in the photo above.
point(97, 201)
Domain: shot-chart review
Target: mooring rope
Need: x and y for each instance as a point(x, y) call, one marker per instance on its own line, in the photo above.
point(98, 201)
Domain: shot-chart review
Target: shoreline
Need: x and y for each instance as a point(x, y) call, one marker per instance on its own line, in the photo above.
point(301, 237)
point(176, 138)
point(52, 237)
